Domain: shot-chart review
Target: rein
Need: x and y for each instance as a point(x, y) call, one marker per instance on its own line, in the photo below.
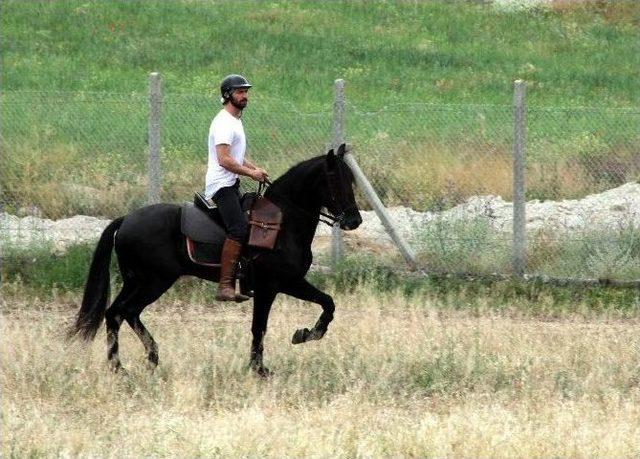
point(330, 219)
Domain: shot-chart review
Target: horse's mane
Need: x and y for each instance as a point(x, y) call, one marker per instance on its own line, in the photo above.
point(298, 173)
point(303, 168)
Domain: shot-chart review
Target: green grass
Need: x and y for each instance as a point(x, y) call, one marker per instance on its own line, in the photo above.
point(536, 297)
point(441, 52)
point(91, 157)
point(428, 105)
point(421, 82)
point(41, 271)
point(37, 271)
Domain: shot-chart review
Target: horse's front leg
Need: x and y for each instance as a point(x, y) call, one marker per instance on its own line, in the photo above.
point(303, 290)
point(262, 301)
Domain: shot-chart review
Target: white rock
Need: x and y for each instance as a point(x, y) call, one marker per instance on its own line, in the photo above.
point(611, 210)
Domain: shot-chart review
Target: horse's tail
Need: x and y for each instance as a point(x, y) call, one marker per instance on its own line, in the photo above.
point(96, 291)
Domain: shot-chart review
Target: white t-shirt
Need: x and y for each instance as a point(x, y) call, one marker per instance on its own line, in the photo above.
point(225, 129)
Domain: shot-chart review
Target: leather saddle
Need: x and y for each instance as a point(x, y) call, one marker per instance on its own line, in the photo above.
point(205, 233)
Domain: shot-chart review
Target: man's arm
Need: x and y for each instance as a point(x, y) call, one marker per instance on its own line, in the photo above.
point(249, 164)
point(252, 166)
point(225, 160)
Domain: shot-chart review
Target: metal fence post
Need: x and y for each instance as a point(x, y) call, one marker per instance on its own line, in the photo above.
point(519, 199)
point(338, 138)
point(155, 104)
point(381, 211)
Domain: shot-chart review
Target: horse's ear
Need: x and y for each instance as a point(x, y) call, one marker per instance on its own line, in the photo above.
point(342, 149)
point(331, 158)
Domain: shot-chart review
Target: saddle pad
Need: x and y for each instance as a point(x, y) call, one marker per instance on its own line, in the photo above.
point(199, 227)
point(205, 254)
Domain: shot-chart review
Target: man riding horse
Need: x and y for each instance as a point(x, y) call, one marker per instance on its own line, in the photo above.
point(152, 247)
point(227, 145)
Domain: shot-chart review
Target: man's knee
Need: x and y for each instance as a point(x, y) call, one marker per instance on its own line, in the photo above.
point(238, 232)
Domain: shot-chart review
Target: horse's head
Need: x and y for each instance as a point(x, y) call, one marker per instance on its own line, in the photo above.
point(337, 193)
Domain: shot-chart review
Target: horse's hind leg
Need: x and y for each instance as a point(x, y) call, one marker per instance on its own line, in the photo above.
point(113, 320)
point(133, 298)
point(150, 346)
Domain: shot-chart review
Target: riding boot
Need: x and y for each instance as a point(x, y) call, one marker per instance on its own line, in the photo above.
point(226, 286)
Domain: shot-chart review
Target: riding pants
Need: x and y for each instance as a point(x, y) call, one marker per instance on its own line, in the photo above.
point(228, 201)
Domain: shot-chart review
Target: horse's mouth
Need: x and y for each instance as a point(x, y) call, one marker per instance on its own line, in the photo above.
point(351, 223)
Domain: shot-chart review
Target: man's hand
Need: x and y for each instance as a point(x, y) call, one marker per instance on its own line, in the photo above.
point(259, 175)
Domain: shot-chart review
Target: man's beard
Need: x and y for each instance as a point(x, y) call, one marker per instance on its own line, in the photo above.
point(238, 105)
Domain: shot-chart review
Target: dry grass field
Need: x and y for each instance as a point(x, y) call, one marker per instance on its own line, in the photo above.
point(394, 376)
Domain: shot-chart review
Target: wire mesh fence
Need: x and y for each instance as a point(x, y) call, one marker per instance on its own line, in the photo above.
point(589, 161)
point(445, 172)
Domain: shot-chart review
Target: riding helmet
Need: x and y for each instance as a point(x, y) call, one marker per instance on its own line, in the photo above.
point(232, 82)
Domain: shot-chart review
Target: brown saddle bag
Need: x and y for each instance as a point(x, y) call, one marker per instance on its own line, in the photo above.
point(264, 222)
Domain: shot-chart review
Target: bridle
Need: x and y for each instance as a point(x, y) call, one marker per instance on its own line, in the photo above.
point(335, 191)
point(336, 194)
point(328, 220)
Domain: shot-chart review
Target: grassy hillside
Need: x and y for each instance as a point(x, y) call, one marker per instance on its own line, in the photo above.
point(407, 65)
point(387, 51)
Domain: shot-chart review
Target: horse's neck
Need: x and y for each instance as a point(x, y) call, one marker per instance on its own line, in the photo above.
point(299, 206)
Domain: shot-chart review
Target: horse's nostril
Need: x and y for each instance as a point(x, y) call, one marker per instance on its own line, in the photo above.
point(352, 223)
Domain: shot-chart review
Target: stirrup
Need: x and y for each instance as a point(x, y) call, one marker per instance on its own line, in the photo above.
point(241, 297)
point(233, 296)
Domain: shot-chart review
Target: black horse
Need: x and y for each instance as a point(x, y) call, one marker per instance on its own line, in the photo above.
point(151, 253)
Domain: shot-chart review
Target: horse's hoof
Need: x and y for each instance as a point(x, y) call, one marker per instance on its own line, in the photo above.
point(316, 334)
point(300, 336)
point(262, 371)
point(152, 362)
point(118, 369)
